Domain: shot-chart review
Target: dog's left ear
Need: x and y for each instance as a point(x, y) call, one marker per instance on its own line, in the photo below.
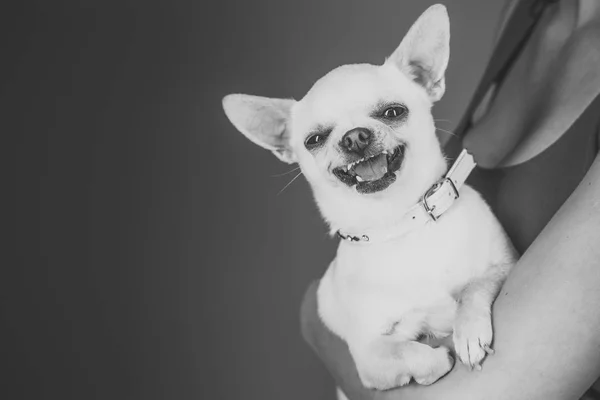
point(423, 53)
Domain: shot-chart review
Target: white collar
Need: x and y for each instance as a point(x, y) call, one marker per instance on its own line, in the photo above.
point(432, 205)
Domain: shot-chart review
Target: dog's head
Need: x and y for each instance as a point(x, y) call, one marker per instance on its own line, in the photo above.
point(363, 135)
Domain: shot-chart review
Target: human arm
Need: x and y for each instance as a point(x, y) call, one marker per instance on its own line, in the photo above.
point(546, 319)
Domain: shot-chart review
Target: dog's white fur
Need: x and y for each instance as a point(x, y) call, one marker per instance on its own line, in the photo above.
point(439, 279)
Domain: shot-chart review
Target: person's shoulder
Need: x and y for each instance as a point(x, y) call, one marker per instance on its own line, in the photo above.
point(588, 34)
point(588, 12)
point(589, 37)
point(586, 44)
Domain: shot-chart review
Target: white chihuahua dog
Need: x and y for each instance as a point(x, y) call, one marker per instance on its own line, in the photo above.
point(365, 140)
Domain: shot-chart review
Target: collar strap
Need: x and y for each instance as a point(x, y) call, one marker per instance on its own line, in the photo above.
point(432, 205)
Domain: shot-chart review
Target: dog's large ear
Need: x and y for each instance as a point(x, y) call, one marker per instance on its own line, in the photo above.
point(423, 53)
point(262, 120)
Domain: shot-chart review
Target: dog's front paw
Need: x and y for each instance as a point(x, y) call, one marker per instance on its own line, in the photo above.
point(431, 372)
point(384, 378)
point(423, 364)
point(472, 337)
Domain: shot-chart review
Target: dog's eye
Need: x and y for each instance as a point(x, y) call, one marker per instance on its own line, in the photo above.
point(315, 140)
point(394, 112)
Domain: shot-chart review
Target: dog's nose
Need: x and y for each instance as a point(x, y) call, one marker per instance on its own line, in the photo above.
point(356, 140)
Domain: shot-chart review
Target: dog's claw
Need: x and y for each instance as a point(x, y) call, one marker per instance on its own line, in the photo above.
point(478, 367)
point(472, 336)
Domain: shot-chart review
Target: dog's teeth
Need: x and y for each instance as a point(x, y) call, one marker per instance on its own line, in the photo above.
point(358, 178)
point(384, 152)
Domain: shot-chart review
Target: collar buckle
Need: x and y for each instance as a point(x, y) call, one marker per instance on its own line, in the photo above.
point(429, 208)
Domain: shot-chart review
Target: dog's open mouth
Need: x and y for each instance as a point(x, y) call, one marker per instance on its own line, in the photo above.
point(374, 173)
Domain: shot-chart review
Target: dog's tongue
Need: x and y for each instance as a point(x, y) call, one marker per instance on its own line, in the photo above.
point(372, 169)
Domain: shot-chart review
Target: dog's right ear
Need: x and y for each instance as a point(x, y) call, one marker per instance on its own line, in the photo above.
point(263, 120)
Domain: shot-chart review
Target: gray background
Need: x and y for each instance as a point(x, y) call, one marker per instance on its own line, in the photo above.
point(155, 257)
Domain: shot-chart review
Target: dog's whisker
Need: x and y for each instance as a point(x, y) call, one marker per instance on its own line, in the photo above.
point(446, 131)
point(285, 173)
point(289, 183)
point(441, 120)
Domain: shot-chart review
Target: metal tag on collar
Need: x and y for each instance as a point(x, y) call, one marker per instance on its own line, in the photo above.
point(431, 208)
point(350, 238)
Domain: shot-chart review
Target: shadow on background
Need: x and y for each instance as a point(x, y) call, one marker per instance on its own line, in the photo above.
point(155, 257)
